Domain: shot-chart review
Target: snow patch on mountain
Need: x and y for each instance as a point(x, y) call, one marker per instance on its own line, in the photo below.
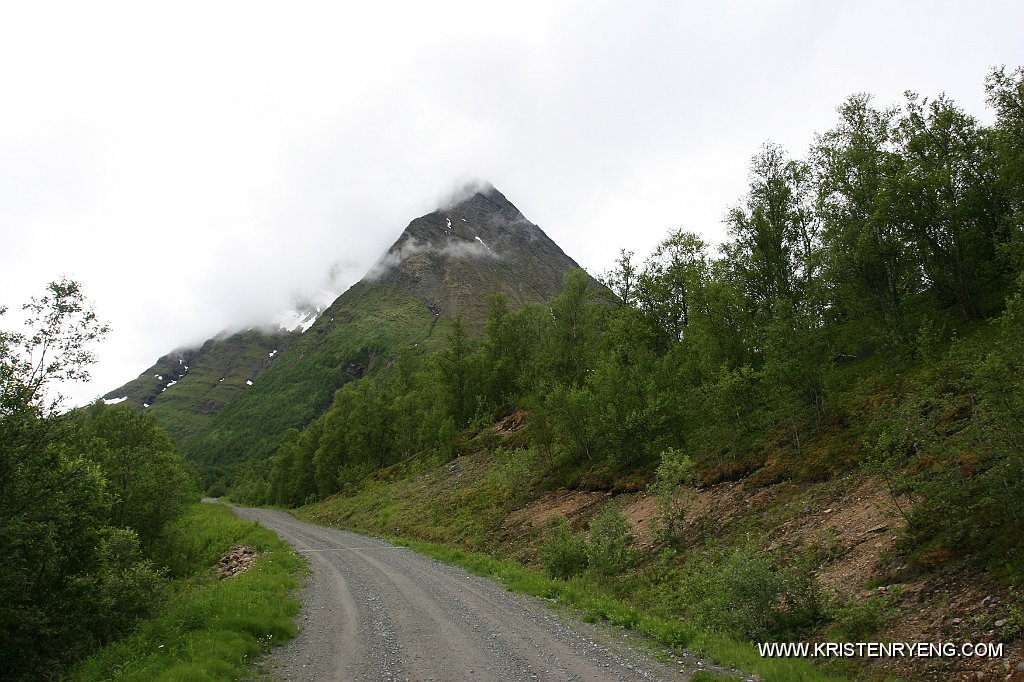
point(304, 312)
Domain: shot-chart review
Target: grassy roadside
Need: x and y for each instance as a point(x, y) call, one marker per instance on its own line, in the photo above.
point(208, 628)
point(598, 605)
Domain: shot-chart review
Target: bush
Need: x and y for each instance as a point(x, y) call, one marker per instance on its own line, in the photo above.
point(676, 469)
point(859, 622)
point(744, 595)
point(766, 601)
point(516, 472)
point(564, 553)
point(129, 587)
point(608, 550)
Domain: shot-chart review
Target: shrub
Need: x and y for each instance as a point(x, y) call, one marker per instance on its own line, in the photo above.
point(564, 553)
point(745, 595)
point(608, 549)
point(516, 472)
point(765, 601)
point(129, 587)
point(676, 469)
point(859, 622)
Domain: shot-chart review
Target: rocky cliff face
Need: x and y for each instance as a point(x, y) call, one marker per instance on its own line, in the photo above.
point(453, 258)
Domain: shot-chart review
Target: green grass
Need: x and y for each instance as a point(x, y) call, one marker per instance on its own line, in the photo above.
point(209, 628)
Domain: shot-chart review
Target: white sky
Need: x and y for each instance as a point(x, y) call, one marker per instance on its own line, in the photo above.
point(194, 165)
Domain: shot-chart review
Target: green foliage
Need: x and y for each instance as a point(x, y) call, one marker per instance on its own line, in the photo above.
point(862, 621)
point(564, 554)
point(952, 442)
point(743, 593)
point(608, 544)
point(366, 327)
point(843, 321)
point(147, 478)
point(208, 628)
point(517, 472)
point(572, 332)
point(676, 469)
point(1014, 627)
point(81, 497)
point(128, 586)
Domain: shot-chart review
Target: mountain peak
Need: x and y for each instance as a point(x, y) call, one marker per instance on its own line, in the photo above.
point(477, 243)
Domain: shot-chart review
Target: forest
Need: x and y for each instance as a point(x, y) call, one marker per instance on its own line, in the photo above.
point(865, 311)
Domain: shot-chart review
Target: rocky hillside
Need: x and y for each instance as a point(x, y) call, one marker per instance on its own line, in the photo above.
point(453, 258)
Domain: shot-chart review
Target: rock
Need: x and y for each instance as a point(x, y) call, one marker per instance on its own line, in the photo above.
point(1000, 623)
point(876, 529)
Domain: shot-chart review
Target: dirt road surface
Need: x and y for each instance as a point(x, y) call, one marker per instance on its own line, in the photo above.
point(375, 611)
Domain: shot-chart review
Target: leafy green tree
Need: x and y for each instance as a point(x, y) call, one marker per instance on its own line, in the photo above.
point(573, 329)
point(147, 478)
point(624, 278)
point(63, 325)
point(504, 354)
point(668, 286)
point(946, 202)
point(1005, 94)
point(455, 363)
point(69, 580)
point(774, 231)
point(869, 266)
point(574, 411)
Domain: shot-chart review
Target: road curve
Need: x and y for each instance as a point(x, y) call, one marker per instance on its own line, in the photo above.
point(375, 611)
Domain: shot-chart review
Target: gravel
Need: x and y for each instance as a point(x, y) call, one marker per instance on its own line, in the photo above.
point(375, 611)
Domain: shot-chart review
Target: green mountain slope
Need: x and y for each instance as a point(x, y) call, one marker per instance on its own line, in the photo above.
point(355, 335)
point(186, 388)
point(442, 267)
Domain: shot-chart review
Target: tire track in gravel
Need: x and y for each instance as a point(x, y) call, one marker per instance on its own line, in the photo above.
point(375, 611)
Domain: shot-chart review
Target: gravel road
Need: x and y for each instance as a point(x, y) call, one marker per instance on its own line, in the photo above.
point(374, 611)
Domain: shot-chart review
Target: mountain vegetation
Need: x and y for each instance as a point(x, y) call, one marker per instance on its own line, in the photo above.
point(869, 293)
point(864, 315)
point(231, 403)
point(186, 389)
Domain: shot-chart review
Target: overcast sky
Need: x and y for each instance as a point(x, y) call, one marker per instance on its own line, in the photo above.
point(195, 165)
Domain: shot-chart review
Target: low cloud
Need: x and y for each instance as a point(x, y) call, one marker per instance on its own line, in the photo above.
point(454, 248)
